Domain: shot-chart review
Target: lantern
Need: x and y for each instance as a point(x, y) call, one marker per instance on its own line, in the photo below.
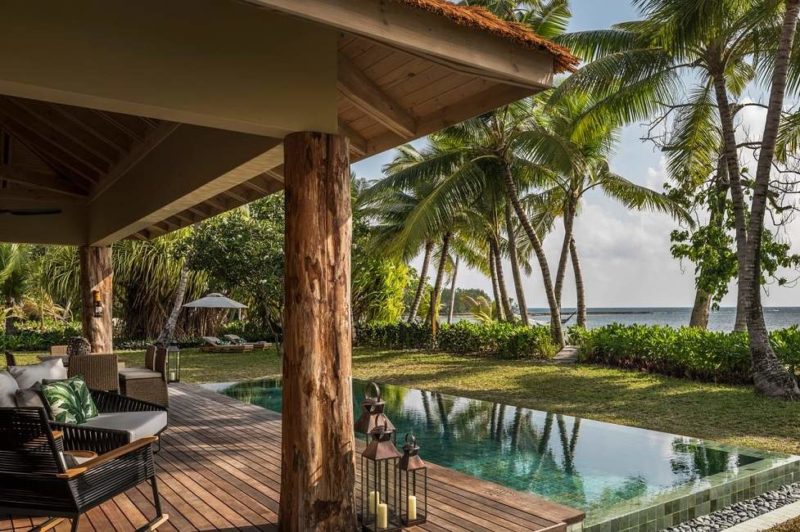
point(97, 304)
point(413, 484)
point(379, 483)
point(372, 415)
point(173, 363)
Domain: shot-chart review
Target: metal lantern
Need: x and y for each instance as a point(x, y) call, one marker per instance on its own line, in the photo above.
point(379, 508)
point(97, 304)
point(413, 485)
point(372, 415)
point(173, 364)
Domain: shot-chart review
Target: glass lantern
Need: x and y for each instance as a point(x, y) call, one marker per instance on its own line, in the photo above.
point(379, 504)
point(372, 415)
point(413, 487)
point(173, 363)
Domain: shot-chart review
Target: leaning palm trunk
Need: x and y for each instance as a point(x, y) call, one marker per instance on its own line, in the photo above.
point(168, 332)
point(498, 310)
point(569, 217)
point(555, 311)
point(453, 292)
point(501, 279)
point(579, 288)
point(423, 274)
point(433, 311)
point(769, 376)
point(512, 255)
point(700, 310)
point(731, 155)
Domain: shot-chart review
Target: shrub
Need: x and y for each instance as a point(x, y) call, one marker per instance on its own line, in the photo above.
point(686, 352)
point(30, 335)
point(502, 340)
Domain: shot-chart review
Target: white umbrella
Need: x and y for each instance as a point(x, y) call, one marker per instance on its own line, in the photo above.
point(214, 300)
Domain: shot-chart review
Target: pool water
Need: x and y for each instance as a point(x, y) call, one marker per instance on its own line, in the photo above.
point(585, 464)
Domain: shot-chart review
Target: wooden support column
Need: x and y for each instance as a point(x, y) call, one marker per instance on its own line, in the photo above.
point(97, 273)
point(318, 464)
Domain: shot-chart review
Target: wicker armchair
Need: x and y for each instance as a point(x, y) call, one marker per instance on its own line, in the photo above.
point(58, 350)
point(148, 383)
point(100, 371)
point(38, 480)
point(103, 440)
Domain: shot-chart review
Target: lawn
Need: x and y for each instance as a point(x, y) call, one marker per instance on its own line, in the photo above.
point(729, 414)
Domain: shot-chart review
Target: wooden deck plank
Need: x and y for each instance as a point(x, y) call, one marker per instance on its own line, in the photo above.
point(220, 469)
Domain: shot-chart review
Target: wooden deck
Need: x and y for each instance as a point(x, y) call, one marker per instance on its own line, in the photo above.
point(219, 469)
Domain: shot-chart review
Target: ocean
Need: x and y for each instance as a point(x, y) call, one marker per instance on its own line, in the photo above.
point(719, 320)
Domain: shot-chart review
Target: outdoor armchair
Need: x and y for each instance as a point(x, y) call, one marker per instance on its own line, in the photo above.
point(39, 479)
point(150, 382)
point(99, 371)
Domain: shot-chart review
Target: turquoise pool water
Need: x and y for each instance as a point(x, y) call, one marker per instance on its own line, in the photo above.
point(581, 463)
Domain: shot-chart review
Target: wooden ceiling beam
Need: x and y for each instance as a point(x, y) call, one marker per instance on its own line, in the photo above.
point(93, 124)
point(370, 98)
point(29, 194)
point(42, 180)
point(358, 144)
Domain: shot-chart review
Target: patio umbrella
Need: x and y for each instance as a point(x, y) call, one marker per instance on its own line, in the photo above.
point(215, 300)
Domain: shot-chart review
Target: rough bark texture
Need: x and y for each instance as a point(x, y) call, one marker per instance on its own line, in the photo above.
point(731, 155)
point(498, 310)
point(512, 255)
point(579, 288)
point(168, 332)
point(97, 273)
point(555, 310)
point(769, 376)
point(569, 218)
point(501, 279)
point(700, 310)
point(433, 311)
point(453, 292)
point(318, 462)
point(423, 274)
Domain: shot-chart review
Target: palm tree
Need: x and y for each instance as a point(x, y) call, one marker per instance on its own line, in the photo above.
point(514, 258)
point(14, 277)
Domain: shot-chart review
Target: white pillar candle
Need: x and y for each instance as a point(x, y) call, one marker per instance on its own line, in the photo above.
point(383, 516)
point(374, 499)
point(412, 507)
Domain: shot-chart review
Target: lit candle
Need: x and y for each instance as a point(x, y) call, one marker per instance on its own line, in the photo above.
point(374, 499)
point(383, 516)
point(412, 507)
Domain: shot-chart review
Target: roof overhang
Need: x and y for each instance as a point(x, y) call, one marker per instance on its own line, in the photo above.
point(136, 121)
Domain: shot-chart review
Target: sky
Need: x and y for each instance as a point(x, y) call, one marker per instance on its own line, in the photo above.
point(624, 254)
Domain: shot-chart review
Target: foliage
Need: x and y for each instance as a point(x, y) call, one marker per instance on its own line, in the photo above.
point(686, 352)
point(464, 299)
point(38, 336)
point(501, 340)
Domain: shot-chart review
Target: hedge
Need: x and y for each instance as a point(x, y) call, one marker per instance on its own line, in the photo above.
point(692, 353)
point(502, 340)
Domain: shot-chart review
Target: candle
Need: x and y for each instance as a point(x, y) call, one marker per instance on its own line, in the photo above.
point(383, 516)
point(374, 499)
point(412, 507)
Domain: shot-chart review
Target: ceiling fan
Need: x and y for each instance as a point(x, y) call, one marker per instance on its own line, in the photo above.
point(28, 212)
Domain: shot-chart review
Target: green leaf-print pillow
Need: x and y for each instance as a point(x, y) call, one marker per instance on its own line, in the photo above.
point(70, 400)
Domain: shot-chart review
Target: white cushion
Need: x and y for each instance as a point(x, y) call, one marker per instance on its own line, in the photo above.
point(138, 373)
point(137, 424)
point(27, 376)
point(8, 387)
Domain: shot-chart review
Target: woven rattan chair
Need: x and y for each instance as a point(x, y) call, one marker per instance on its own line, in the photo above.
point(38, 480)
point(100, 371)
point(58, 350)
point(148, 383)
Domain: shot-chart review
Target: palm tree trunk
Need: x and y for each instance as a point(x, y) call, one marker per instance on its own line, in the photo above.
point(555, 311)
point(579, 287)
point(731, 155)
point(423, 274)
point(702, 306)
point(433, 311)
point(512, 255)
point(769, 375)
point(453, 291)
point(498, 309)
point(501, 278)
point(569, 218)
point(168, 332)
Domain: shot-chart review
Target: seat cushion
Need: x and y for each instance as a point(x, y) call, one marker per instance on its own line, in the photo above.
point(137, 424)
point(138, 373)
point(27, 376)
point(8, 387)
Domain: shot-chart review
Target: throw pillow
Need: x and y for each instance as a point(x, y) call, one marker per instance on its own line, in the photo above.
point(8, 387)
point(27, 376)
point(63, 402)
point(84, 397)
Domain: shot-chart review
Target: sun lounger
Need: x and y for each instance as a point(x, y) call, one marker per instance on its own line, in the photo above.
point(215, 345)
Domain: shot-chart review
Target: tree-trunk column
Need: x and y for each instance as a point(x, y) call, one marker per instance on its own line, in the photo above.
point(97, 275)
point(318, 464)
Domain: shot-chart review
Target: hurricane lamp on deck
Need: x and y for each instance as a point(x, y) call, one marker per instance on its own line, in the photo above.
point(413, 484)
point(372, 412)
point(173, 364)
point(380, 482)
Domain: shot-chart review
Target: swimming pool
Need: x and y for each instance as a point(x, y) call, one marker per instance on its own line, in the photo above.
point(624, 478)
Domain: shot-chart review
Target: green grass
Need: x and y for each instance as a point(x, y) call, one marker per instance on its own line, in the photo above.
point(728, 414)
